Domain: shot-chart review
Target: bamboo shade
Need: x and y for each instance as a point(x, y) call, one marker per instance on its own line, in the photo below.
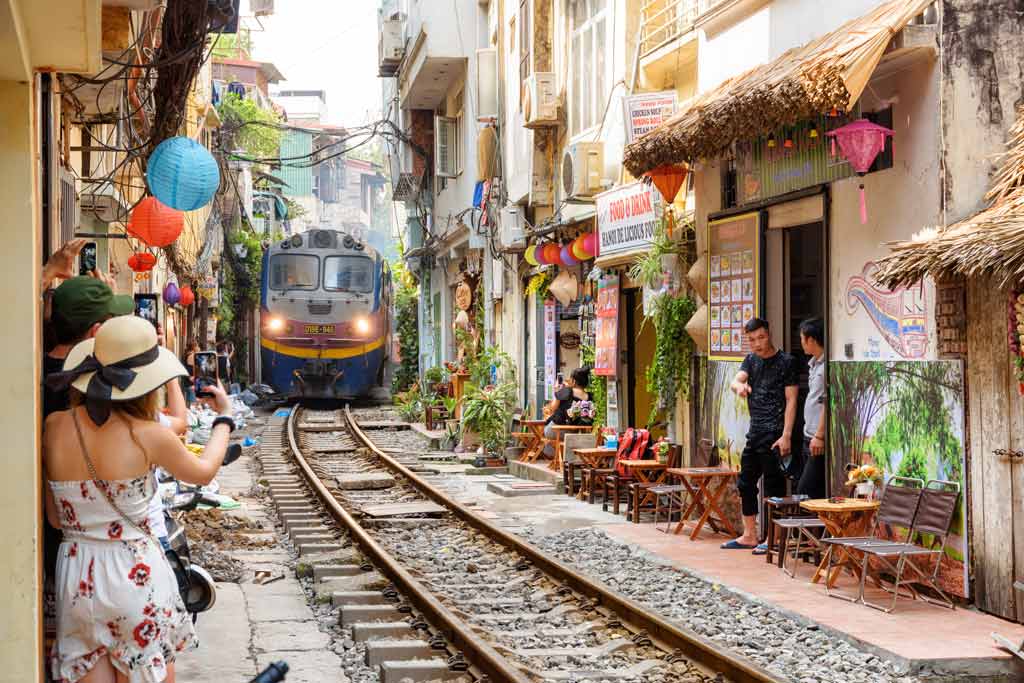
point(805, 81)
point(989, 243)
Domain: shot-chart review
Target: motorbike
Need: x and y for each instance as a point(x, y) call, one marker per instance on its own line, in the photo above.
point(196, 586)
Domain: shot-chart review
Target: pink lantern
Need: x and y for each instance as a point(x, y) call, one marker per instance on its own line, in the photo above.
point(590, 243)
point(861, 141)
point(566, 257)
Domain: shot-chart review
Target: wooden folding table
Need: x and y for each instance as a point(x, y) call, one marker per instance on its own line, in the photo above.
point(705, 486)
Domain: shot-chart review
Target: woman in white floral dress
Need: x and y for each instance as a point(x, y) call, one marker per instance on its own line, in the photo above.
point(119, 615)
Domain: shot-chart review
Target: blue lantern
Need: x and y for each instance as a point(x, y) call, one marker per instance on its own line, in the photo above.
point(182, 174)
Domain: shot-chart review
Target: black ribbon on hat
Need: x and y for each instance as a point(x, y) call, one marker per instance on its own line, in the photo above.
point(101, 386)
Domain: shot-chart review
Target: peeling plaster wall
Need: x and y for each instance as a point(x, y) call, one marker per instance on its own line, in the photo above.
point(983, 84)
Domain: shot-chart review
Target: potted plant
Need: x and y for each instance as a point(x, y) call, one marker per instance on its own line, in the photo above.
point(451, 435)
point(865, 479)
point(487, 412)
point(661, 450)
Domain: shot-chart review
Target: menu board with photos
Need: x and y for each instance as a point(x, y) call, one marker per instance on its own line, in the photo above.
point(733, 249)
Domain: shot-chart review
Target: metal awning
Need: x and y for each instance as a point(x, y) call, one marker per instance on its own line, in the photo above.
point(829, 72)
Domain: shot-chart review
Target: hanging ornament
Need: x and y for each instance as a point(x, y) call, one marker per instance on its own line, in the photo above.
point(182, 174)
point(788, 143)
point(813, 136)
point(538, 255)
point(172, 294)
point(551, 253)
point(771, 140)
point(154, 223)
point(141, 261)
point(187, 297)
point(668, 179)
point(590, 244)
point(861, 142)
point(578, 252)
point(566, 257)
point(529, 255)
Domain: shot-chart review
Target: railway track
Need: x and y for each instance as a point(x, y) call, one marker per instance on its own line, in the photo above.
point(465, 600)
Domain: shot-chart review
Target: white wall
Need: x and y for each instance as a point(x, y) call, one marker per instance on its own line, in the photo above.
point(734, 50)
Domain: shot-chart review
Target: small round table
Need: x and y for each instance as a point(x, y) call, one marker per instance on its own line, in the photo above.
point(845, 518)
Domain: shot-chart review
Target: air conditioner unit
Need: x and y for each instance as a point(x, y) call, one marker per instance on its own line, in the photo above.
point(391, 46)
point(486, 84)
point(582, 168)
point(261, 8)
point(512, 221)
point(540, 100)
point(102, 202)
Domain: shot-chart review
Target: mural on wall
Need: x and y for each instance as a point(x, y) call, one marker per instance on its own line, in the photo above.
point(907, 418)
point(724, 416)
point(899, 315)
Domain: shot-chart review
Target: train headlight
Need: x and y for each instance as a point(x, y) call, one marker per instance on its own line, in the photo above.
point(362, 326)
point(275, 324)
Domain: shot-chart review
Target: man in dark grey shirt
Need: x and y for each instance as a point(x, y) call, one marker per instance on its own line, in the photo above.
point(812, 481)
point(767, 379)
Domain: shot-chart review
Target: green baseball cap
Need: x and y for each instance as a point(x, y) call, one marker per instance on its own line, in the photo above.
point(84, 301)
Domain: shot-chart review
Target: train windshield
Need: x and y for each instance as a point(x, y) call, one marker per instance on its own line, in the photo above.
point(294, 271)
point(348, 274)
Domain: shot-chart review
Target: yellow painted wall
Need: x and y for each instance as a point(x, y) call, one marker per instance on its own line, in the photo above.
point(644, 339)
point(20, 564)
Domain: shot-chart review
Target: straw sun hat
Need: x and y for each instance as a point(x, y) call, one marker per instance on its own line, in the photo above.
point(122, 363)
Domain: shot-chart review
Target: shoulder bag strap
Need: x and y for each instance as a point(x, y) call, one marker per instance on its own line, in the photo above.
point(106, 489)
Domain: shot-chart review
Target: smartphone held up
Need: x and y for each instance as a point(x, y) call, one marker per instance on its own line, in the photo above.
point(205, 372)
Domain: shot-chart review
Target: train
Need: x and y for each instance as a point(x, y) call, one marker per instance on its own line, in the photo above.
point(325, 316)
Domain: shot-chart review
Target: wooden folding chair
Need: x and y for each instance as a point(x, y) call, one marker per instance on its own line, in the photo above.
point(571, 466)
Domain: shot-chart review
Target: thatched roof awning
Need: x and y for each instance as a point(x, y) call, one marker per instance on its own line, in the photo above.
point(990, 243)
point(805, 81)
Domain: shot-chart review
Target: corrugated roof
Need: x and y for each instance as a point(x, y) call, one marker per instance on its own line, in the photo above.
point(805, 81)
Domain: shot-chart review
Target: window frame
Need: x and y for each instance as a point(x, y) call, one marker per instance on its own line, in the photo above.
point(316, 277)
point(525, 52)
point(577, 33)
point(323, 279)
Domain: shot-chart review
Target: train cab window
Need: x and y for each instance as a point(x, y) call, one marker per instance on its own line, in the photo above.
point(294, 271)
point(348, 274)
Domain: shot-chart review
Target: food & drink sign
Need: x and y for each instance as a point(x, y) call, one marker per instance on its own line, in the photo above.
point(626, 218)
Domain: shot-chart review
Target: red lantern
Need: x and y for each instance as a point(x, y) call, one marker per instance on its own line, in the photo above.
point(668, 179)
point(187, 297)
point(141, 262)
point(155, 224)
point(861, 141)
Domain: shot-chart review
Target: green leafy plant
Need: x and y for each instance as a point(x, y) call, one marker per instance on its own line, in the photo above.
point(539, 283)
point(479, 366)
point(410, 404)
point(406, 296)
point(487, 411)
point(249, 127)
point(647, 268)
point(668, 375)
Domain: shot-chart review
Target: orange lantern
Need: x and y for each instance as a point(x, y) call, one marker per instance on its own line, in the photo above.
point(155, 224)
point(188, 297)
point(668, 179)
point(551, 253)
point(141, 261)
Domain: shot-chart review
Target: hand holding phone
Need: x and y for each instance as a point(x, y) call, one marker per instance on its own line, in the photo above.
point(87, 259)
point(205, 373)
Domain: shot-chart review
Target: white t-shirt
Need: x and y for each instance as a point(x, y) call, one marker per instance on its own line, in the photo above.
point(156, 505)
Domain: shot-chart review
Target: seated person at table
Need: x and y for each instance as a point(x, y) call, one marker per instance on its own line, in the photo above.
point(567, 394)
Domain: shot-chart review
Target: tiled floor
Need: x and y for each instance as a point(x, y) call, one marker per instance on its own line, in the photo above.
point(915, 631)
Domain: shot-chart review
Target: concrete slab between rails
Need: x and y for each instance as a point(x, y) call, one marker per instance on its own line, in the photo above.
point(380, 651)
point(421, 671)
point(364, 481)
point(402, 523)
point(386, 630)
point(356, 614)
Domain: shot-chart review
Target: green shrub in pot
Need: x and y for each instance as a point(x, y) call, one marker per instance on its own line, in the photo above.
point(487, 412)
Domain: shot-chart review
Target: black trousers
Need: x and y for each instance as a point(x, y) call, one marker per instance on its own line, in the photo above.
point(812, 481)
point(760, 460)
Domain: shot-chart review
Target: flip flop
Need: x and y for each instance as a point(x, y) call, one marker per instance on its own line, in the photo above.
point(736, 545)
point(761, 549)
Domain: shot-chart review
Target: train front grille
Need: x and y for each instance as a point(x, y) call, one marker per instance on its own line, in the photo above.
point(319, 307)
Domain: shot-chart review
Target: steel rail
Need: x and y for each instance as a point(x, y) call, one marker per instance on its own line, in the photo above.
point(736, 668)
point(477, 651)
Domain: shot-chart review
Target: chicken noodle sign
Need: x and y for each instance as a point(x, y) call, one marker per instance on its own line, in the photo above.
point(626, 218)
point(646, 112)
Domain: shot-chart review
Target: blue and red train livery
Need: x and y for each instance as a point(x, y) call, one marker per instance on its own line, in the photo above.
point(325, 305)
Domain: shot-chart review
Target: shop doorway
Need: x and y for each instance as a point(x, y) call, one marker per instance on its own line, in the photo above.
point(796, 290)
point(638, 344)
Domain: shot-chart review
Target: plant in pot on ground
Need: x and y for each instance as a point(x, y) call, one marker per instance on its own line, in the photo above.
point(410, 404)
point(487, 412)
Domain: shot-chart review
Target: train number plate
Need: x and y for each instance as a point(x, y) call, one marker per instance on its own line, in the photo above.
point(319, 329)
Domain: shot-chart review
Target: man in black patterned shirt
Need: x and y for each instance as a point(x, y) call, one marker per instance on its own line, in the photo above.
point(767, 379)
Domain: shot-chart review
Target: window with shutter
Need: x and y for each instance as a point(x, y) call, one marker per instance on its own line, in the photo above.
point(446, 146)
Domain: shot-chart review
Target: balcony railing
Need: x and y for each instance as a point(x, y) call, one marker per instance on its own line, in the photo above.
point(662, 21)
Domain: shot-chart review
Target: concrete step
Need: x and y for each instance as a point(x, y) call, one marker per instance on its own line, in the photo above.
point(334, 571)
point(380, 651)
point(359, 598)
point(389, 630)
point(314, 548)
point(420, 671)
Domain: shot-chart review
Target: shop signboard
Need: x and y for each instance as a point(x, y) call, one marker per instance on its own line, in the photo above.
point(550, 352)
point(733, 288)
point(606, 355)
point(626, 218)
point(647, 111)
point(612, 406)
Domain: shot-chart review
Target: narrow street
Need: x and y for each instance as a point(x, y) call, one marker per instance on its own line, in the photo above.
point(512, 341)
